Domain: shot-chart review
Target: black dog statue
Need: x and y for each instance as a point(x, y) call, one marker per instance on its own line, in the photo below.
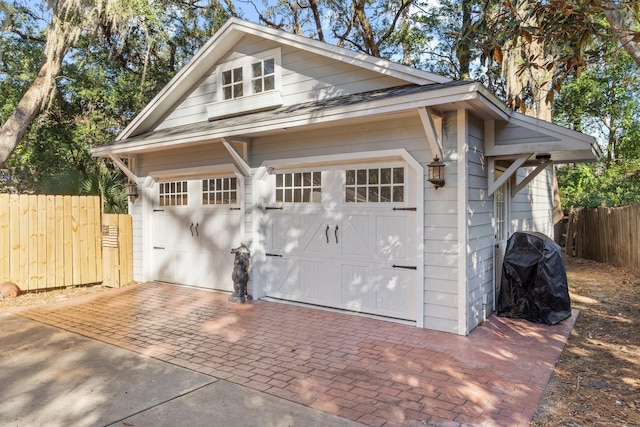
point(240, 274)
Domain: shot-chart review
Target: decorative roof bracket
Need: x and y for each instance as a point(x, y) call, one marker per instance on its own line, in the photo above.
point(238, 159)
point(124, 168)
point(494, 184)
point(433, 137)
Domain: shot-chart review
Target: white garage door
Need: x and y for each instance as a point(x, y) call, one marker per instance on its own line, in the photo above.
point(196, 223)
point(344, 238)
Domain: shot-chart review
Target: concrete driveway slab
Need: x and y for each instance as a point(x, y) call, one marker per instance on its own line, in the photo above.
point(51, 377)
point(225, 404)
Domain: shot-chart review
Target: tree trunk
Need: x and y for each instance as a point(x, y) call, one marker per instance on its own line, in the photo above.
point(58, 41)
point(525, 72)
point(28, 108)
point(463, 50)
point(623, 28)
point(317, 19)
point(367, 31)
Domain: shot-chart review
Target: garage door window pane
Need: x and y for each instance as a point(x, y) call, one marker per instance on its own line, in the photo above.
point(298, 187)
point(386, 176)
point(398, 175)
point(373, 176)
point(173, 193)
point(398, 194)
point(373, 194)
point(351, 177)
point(385, 194)
point(220, 191)
point(383, 185)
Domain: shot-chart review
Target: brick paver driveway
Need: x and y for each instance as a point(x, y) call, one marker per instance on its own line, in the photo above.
point(372, 371)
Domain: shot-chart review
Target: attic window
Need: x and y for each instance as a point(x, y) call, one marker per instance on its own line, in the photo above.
point(232, 83)
point(246, 84)
point(263, 76)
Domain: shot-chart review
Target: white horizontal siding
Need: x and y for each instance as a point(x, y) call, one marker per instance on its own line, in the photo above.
point(305, 77)
point(308, 77)
point(386, 133)
point(532, 207)
point(192, 109)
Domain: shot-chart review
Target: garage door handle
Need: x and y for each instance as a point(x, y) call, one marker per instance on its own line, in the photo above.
point(326, 233)
point(276, 255)
point(191, 228)
point(406, 267)
point(336, 233)
point(197, 232)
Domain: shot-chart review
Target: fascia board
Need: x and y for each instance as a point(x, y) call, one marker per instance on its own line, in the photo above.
point(496, 107)
point(409, 102)
point(361, 60)
point(536, 147)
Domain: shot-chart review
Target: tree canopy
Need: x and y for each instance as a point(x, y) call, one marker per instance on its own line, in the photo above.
point(73, 73)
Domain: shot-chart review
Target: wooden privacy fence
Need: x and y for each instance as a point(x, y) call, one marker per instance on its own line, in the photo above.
point(608, 235)
point(54, 241)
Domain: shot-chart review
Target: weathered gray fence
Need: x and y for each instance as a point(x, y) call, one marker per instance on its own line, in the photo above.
point(608, 235)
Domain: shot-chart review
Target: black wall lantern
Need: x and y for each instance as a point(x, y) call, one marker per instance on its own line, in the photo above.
point(132, 191)
point(436, 173)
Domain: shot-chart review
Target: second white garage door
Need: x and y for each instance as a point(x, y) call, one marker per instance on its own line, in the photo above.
point(344, 237)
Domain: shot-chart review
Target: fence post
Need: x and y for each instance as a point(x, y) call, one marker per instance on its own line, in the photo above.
point(117, 250)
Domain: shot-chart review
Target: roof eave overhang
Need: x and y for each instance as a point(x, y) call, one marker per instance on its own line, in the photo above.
point(563, 144)
point(468, 95)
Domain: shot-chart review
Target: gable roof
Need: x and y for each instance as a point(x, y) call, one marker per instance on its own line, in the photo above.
point(229, 34)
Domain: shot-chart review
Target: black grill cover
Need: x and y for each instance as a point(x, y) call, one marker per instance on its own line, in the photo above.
point(534, 280)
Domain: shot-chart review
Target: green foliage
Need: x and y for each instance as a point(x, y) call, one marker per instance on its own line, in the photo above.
point(590, 185)
point(110, 186)
point(108, 76)
point(101, 182)
point(604, 102)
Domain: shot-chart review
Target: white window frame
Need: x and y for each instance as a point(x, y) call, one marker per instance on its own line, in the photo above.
point(249, 101)
point(237, 190)
point(232, 84)
point(379, 166)
point(174, 193)
point(315, 196)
